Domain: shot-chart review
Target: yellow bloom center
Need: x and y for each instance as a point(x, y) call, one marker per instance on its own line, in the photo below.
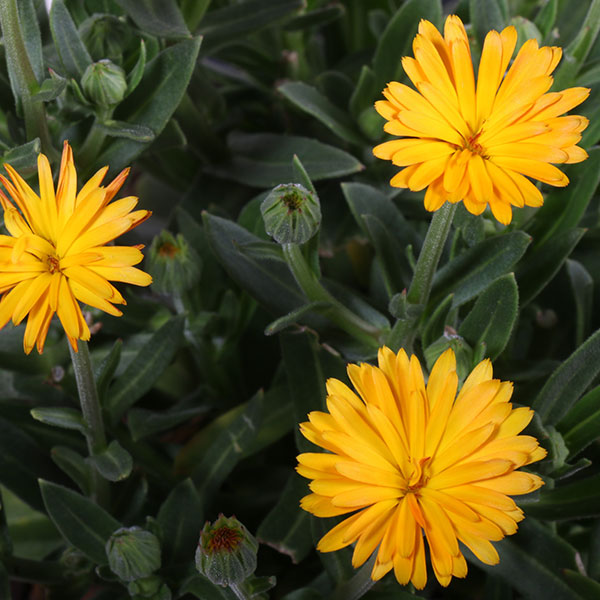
point(419, 476)
point(474, 146)
point(53, 264)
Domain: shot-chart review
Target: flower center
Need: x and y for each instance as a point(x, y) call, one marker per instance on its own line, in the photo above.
point(419, 477)
point(224, 539)
point(53, 264)
point(474, 146)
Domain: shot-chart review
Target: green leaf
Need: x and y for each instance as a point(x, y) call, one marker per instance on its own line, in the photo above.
point(316, 18)
point(161, 18)
point(264, 160)
point(105, 371)
point(23, 158)
point(129, 131)
point(74, 465)
point(364, 92)
point(310, 100)
point(474, 270)
point(22, 462)
point(586, 587)
point(435, 325)
point(546, 17)
point(180, 518)
point(582, 286)
point(60, 416)
point(564, 207)
point(114, 463)
point(51, 88)
point(485, 16)
point(569, 381)
point(146, 367)
point(230, 24)
point(228, 447)
point(287, 526)
point(135, 75)
point(581, 425)
point(493, 317)
point(543, 262)
point(577, 500)
point(193, 11)
point(293, 316)
point(154, 100)
point(82, 522)
point(397, 38)
point(32, 38)
point(202, 588)
point(72, 52)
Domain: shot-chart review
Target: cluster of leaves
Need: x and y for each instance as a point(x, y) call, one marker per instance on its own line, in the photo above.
point(204, 379)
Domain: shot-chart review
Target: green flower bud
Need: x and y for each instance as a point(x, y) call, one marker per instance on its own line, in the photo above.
point(151, 587)
point(133, 553)
point(173, 264)
point(226, 552)
point(106, 36)
point(291, 213)
point(104, 83)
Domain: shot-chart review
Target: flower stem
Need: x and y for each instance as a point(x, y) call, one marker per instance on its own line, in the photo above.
point(359, 585)
point(336, 312)
point(93, 142)
point(431, 251)
point(90, 407)
point(23, 77)
point(238, 591)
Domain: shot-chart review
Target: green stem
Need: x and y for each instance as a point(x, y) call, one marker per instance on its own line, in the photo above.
point(431, 251)
point(359, 585)
point(92, 415)
point(238, 591)
point(23, 76)
point(90, 148)
point(337, 312)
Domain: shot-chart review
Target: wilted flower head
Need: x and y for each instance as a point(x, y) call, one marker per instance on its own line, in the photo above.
point(56, 252)
point(479, 141)
point(408, 458)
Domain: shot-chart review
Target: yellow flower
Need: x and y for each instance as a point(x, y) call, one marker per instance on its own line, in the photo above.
point(414, 458)
point(56, 253)
point(480, 141)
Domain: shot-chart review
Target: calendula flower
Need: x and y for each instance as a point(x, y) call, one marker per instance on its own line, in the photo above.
point(56, 252)
point(410, 459)
point(480, 141)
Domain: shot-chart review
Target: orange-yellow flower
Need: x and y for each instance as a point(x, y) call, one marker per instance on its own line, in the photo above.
point(409, 458)
point(56, 252)
point(479, 141)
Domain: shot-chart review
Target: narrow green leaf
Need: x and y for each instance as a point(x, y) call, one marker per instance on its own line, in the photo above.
point(72, 52)
point(229, 24)
point(310, 100)
point(154, 100)
point(82, 522)
point(161, 18)
point(30, 29)
point(582, 285)
point(364, 92)
point(577, 500)
point(569, 381)
point(114, 463)
point(135, 75)
point(293, 316)
point(22, 462)
point(264, 160)
point(485, 16)
point(147, 366)
point(227, 449)
point(581, 425)
point(287, 526)
point(493, 317)
point(75, 466)
point(397, 38)
point(106, 369)
point(474, 270)
point(23, 158)
point(586, 587)
point(193, 12)
point(51, 88)
point(540, 266)
point(546, 17)
point(180, 518)
point(60, 416)
point(129, 131)
point(316, 18)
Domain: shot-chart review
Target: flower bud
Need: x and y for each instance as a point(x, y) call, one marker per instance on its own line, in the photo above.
point(133, 553)
point(173, 263)
point(226, 552)
point(104, 83)
point(291, 213)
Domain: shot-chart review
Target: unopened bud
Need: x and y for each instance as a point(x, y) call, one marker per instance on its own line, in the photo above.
point(226, 552)
point(173, 264)
point(291, 213)
point(133, 553)
point(104, 83)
